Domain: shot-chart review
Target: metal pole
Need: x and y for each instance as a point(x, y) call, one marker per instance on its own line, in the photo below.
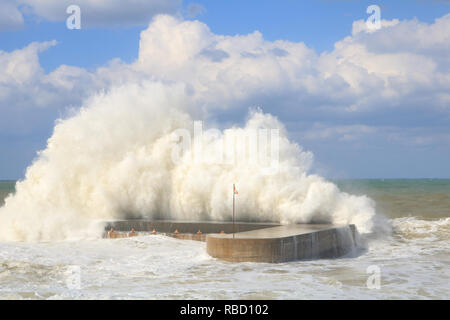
point(233, 209)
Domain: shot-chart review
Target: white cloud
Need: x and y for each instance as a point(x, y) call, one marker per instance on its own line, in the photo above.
point(366, 75)
point(320, 131)
point(408, 36)
point(222, 69)
point(194, 10)
point(361, 26)
point(104, 13)
point(354, 77)
point(30, 99)
point(10, 16)
point(22, 66)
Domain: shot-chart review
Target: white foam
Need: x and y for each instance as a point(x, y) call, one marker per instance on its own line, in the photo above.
point(113, 160)
point(158, 267)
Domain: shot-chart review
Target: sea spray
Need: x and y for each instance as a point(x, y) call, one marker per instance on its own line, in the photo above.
point(114, 160)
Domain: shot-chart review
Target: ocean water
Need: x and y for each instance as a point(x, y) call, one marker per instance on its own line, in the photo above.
point(6, 187)
point(413, 262)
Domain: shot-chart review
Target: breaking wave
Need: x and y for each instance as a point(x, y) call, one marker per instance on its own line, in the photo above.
point(114, 158)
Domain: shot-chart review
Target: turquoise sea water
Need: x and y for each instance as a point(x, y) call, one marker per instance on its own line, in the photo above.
point(395, 198)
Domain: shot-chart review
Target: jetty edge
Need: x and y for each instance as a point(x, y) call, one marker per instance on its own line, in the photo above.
point(251, 241)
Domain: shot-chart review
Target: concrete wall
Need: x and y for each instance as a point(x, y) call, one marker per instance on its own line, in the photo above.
point(257, 242)
point(163, 226)
point(328, 243)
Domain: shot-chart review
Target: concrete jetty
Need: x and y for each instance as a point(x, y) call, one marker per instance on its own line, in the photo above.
point(283, 243)
point(257, 242)
point(169, 226)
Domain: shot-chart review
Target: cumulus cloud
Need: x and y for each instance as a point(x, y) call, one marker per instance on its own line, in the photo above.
point(365, 71)
point(22, 66)
point(10, 16)
point(26, 90)
point(96, 13)
point(391, 78)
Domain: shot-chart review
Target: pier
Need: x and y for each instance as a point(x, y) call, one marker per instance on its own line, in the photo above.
point(256, 242)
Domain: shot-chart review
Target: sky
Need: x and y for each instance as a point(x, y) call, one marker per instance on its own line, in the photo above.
point(367, 104)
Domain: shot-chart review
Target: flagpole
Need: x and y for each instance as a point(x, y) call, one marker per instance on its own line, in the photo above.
point(233, 207)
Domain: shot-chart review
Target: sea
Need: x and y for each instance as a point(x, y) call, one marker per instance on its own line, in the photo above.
point(413, 262)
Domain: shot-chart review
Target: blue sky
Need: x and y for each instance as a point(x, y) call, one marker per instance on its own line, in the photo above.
point(317, 23)
point(406, 136)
